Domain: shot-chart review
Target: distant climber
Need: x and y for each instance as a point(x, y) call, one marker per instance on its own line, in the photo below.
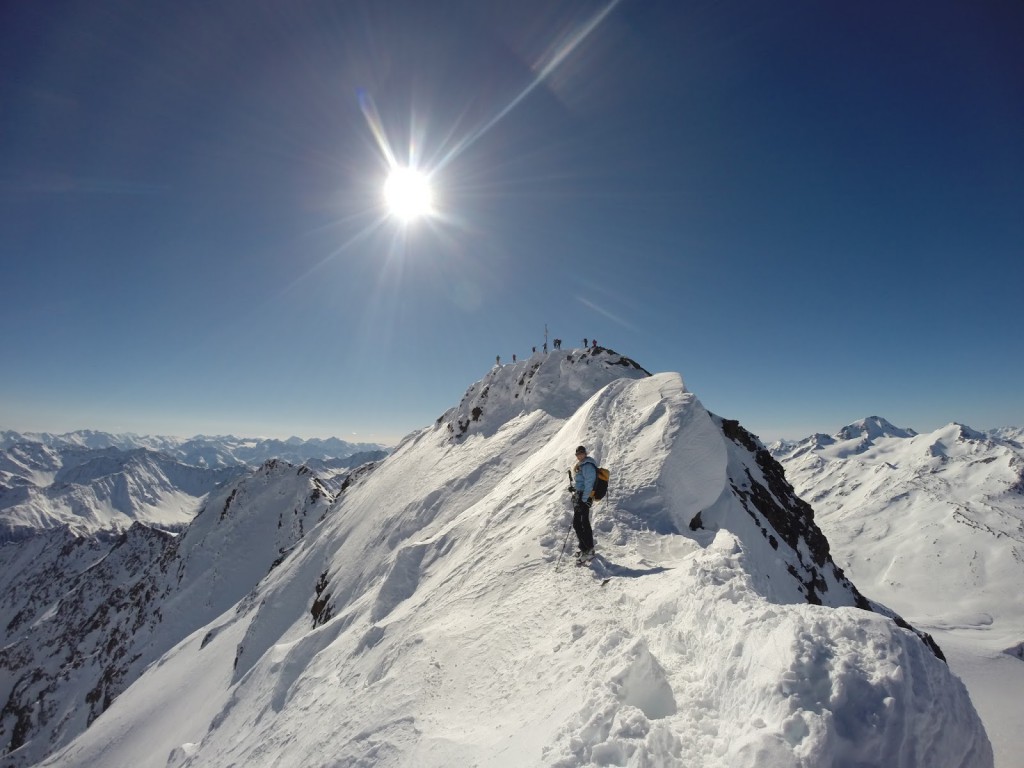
point(545, 347)
point(585, 345)
point(513, 357)
point(585, 474)
point(593, 343)
point(558, 343)
point(497, 359)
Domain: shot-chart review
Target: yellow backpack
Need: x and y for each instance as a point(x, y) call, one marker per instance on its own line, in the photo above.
point(600, 484)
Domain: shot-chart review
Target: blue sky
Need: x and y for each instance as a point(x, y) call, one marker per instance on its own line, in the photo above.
point(814, 211)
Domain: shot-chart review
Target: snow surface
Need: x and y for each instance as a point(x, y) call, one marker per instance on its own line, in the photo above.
point(451, 631)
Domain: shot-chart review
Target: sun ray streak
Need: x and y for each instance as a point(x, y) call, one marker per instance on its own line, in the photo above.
point(559, 51)
point(557, 57)
point(601, 310)
point(373, 120)
point(362, 235)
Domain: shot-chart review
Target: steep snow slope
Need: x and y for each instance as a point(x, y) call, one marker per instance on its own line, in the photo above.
point(82, 619)
point(425, 621)
point(27, 464)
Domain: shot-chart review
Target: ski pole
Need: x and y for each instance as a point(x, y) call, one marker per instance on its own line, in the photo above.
point(566, 540)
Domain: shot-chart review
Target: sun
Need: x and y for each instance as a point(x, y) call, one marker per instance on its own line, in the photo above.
point(407, 194)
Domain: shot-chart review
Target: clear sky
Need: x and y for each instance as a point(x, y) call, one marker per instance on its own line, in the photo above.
point(814, 211)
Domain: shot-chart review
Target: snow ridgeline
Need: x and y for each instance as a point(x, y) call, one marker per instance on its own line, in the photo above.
point(443, 634)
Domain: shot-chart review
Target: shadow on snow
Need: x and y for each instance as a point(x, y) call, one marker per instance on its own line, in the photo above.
point(605, 567)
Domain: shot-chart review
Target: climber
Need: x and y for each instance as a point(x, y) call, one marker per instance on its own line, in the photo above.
point(585, 474)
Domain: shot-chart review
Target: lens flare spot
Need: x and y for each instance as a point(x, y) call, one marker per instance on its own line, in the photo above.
point(407, 194)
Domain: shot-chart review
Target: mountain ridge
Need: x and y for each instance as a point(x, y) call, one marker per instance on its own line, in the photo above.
point(413, 616)
point(105, 487)
point(122, 602)
point(955, 473)
point(199, 450)
point(933, 525)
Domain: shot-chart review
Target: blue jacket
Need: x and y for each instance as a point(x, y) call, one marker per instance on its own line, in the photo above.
point(586, 474)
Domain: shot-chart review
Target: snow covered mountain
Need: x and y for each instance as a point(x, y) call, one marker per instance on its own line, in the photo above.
point(91, 482)
point(907, 506)
point(201, 450)
point(84, 616)
point(94, 490)
point(932, 525)
point(430, 619)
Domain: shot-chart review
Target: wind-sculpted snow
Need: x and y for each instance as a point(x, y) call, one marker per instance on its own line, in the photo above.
point(424, 621)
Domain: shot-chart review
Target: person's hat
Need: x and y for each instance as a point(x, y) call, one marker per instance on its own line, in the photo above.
point(581, 449)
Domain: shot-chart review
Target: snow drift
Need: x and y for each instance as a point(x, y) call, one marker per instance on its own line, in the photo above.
point(428, 620)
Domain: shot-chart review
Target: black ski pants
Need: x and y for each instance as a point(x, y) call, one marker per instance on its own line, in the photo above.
point(581, 524)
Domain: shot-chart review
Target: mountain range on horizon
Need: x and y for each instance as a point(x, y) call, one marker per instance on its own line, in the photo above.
point(229, 450)
point(933, 523)
point(960, 488)
point(93, 482)
point(199, 450)
point(871, 428)
point(396, 613)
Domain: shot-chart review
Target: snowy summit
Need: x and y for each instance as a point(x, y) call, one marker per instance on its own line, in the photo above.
point(429, 618)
